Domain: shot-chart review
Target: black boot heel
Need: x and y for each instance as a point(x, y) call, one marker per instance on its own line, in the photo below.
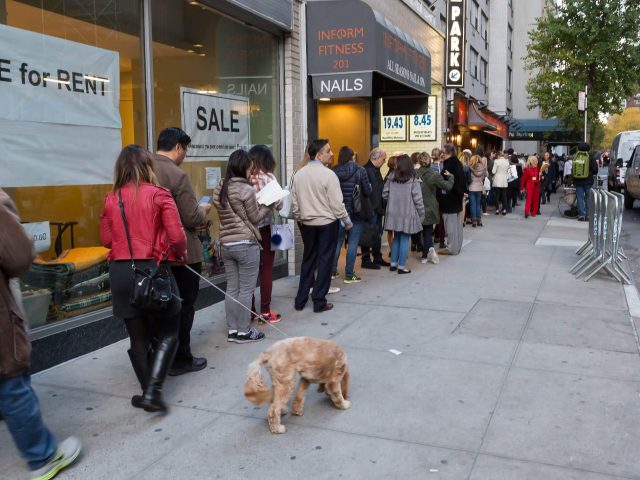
point(152, 397)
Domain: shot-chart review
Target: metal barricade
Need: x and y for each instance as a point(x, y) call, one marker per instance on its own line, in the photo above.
point(602, 251)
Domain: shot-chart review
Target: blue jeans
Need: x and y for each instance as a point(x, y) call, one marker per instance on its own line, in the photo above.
point(474, 205)
point(582, 193)
point(21, 410)
point(352, 247)
point(400, 249)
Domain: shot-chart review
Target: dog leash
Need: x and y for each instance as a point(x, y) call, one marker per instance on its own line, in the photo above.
point(236, 301)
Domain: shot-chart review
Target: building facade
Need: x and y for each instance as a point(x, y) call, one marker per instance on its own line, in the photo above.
point(81, 79)
point(477, 111)
point(388, 91)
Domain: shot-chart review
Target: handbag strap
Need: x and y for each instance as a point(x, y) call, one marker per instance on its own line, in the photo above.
point(247, 223)
point(126, 227)
point(165, 254)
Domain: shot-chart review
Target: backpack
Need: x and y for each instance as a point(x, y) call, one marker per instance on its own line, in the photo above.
point(580, 166)
point(356, 199)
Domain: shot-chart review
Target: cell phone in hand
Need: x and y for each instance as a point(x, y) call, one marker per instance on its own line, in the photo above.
point(205, 199)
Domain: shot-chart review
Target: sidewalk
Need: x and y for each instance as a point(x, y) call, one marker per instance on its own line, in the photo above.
point(510, 369)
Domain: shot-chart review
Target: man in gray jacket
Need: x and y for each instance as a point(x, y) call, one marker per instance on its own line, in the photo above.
point(18, 402)
point(171, 151)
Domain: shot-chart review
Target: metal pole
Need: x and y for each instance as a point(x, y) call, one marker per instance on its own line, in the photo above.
point(147, 54)
point(586, 94)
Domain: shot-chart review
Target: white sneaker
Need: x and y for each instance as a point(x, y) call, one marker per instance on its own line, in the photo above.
point(424, 260)
point(68, 451)
point(331, 290)
point(433, 256)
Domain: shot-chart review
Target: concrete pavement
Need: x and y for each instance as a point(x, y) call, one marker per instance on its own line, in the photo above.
point(510, 369)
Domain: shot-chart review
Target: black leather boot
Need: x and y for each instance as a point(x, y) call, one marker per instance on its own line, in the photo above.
point(152, 397)
point(140, 363)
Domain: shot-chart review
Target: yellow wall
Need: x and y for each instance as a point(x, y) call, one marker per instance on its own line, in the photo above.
point(346, 122)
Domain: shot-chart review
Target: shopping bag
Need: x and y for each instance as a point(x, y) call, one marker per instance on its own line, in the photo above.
point(281, 237)
point(487, 184)
point(286, 211)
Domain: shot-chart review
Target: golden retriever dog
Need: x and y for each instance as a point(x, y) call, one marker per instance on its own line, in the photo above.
point(317, 361)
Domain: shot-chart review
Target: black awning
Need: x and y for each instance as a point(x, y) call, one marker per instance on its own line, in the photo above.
point(347, 41)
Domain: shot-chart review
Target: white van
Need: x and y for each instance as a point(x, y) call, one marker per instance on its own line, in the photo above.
point(621, 150)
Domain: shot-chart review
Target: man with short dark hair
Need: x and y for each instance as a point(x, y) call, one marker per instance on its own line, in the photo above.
point(317, 202)
point(171, 151)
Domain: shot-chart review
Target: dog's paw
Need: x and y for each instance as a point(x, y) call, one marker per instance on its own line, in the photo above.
point(346, 405)
point(298, 411)
point(278, 429)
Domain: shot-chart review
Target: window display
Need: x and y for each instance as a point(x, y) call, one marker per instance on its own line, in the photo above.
point(73, 90)
point(217, 79)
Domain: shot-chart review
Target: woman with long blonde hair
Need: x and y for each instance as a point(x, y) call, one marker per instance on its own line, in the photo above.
point(476, 187)
point(531, 182)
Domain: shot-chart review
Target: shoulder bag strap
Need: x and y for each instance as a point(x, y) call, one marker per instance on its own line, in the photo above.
point(245, 220)
point(126, 228)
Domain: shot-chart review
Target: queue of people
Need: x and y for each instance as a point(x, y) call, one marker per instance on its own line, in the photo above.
point(150, 221)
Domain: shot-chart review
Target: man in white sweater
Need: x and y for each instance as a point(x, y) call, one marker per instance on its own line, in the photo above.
point(318, 206)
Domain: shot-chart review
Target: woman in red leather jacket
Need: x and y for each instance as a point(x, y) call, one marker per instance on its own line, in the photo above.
point(531, 182)
point(156, 235)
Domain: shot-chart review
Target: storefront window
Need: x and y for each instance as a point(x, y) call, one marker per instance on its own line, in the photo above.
point(218, 80)
point(72, 96)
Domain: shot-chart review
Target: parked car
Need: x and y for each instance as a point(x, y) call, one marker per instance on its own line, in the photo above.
point(621, 149)
point(632, 179)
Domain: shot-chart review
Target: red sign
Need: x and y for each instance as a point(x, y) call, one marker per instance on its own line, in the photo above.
point(463, 115)
point(503, 130)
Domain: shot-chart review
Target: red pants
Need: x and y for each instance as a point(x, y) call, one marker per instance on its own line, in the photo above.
point(266, 271)
point(533, 201)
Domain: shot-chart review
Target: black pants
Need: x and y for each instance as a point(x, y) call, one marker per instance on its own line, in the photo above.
point(500, 196)
point(376, 251)
point(320, 244)
point(144, 329)
point(188, 285)
point(512, 196)
point(427, 239)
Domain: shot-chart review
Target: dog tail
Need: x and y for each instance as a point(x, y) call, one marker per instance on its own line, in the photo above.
point(255, 390)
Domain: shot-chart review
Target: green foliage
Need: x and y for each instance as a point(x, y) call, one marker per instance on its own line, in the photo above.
point(584, 42)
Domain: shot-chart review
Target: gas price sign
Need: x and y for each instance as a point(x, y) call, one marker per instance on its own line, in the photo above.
point(422, 127)
point(393, 128)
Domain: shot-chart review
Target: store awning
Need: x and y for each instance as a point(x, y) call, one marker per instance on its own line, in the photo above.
point(477, 121)
point(347, 41)
point(538, 129)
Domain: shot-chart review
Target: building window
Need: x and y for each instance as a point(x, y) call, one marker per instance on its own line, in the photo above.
point(483, 71)
point(510, 39)
point(220, 58)
point(475, 10)
point(473, 62)
point(484, 22)
point(92, 105)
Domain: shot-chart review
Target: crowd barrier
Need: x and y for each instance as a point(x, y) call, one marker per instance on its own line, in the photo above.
point(602, 251)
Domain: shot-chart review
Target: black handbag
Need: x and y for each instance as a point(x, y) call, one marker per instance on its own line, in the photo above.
point(356, 196)
point(152, 289)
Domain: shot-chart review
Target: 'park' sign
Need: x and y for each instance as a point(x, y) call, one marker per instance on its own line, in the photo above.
point(456, 39)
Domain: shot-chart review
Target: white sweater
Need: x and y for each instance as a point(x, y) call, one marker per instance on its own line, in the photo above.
point(316, 196)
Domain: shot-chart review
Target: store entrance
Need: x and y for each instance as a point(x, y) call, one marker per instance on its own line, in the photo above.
point(346, 122)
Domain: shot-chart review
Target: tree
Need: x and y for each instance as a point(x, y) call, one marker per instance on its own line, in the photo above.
point(629, 119)
point(584, 42)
